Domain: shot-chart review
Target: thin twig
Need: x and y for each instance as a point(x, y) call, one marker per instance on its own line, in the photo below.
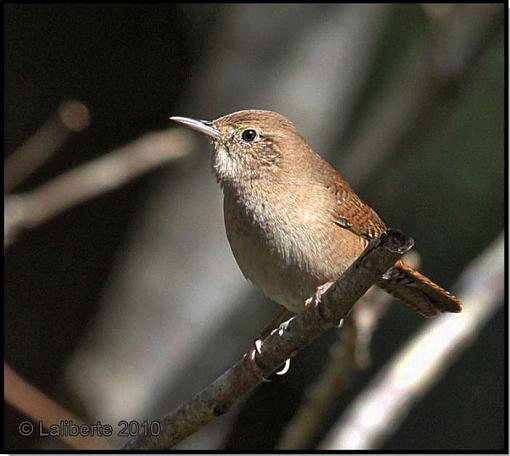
point(378, 410)
point(217, 398)
point(72, 117)
point(28, 210)
point(40, 408)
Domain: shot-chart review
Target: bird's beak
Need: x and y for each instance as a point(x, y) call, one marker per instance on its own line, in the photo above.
point(203, 126)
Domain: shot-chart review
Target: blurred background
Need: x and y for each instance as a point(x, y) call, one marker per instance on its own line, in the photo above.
point(127, 304)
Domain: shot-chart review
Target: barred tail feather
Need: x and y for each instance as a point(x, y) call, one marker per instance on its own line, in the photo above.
point(418, 291)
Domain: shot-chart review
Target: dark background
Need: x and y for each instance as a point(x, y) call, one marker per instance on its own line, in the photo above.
point(133, 66)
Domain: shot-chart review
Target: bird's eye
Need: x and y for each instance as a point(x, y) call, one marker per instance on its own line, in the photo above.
point(249, 135)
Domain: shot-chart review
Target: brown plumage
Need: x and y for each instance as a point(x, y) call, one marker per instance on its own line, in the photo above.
point(292, 221)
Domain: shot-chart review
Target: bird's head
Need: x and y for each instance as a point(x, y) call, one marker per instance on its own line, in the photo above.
point(248, 145)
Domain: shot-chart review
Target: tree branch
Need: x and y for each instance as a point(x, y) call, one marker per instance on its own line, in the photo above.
point(72, 117)
point(27, 210)
point(217, 398)
point(38, 407)
point(378, 411)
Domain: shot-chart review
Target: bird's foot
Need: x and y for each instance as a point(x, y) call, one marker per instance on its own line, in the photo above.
point(281, 329)
point(252, 361)
point(314, 301)
point(252, 353)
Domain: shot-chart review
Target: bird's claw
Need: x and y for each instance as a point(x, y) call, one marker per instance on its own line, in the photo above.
point(282, 328)
point(252, 361)
point(256, 350)
point(319, 291)
point(314, 301)
point(285, 368)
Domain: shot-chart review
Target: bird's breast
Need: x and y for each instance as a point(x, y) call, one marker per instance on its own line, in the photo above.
point(287, 250)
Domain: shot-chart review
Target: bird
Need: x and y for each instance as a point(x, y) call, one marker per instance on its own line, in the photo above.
point(293, 222)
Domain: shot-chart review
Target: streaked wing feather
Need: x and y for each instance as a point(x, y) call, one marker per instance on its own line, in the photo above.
point(351, 213)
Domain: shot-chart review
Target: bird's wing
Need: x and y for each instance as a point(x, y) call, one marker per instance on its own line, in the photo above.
point(351, 213)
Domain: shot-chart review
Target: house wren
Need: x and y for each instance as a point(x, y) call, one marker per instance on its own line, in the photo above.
point(292, 221)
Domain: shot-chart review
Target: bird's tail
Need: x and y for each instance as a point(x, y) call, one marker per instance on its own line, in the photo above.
point(418, 291)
